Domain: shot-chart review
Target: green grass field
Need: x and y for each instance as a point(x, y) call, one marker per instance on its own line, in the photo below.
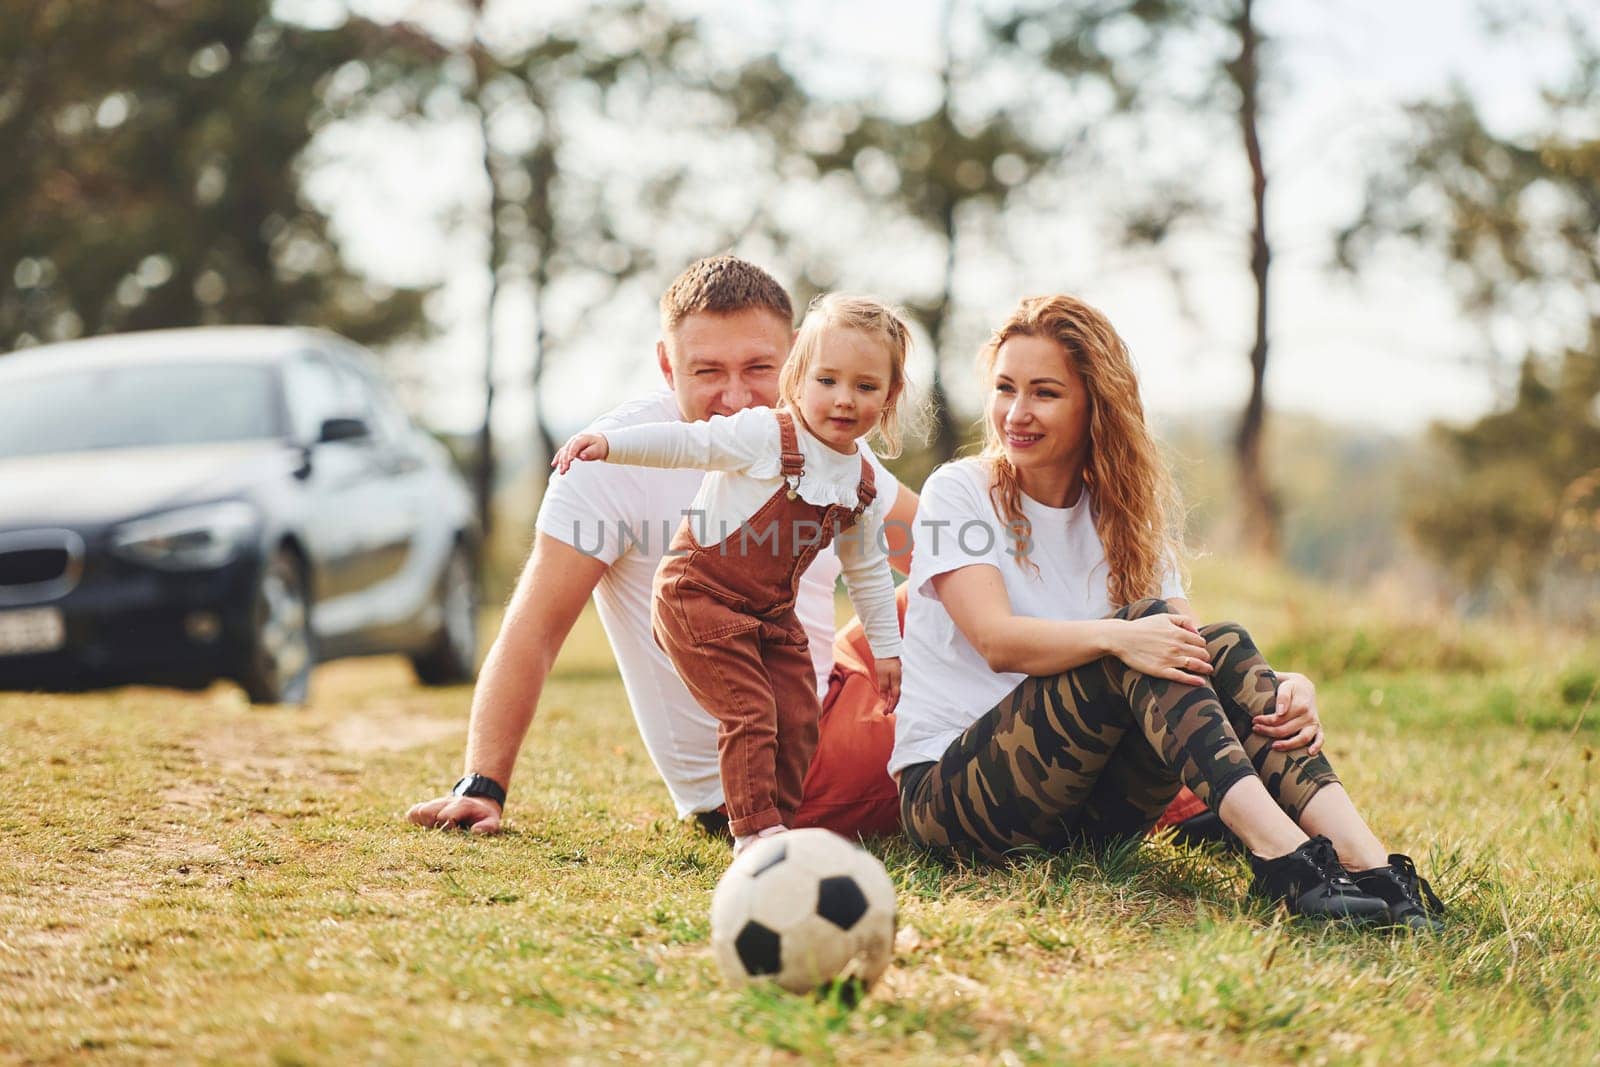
point(184, 878)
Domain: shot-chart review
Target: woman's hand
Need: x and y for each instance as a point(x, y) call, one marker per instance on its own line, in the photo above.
point(581, 446)
point(1163, 646)
point(1295, 721)
point(889, 682)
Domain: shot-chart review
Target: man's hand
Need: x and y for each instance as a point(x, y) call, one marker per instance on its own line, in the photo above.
point(581, 446)
point(888, 671)
point(477, 814)
point(550, 594)
point(1294, 721)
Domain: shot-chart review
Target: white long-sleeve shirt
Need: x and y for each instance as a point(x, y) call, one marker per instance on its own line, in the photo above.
point(744, 453)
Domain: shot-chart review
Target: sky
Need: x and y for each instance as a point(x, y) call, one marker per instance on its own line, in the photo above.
point(1389, 348)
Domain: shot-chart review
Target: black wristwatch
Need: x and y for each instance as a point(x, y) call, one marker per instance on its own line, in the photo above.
point(480, 785)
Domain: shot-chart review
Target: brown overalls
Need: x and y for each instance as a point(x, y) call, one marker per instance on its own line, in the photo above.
point(725, 615)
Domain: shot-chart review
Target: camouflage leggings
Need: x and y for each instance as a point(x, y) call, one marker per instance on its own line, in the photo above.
point(1098, 752)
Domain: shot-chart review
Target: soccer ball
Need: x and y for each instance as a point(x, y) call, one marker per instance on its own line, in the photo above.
point(803, 908)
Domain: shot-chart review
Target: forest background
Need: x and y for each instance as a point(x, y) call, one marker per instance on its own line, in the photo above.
point(1356, 252)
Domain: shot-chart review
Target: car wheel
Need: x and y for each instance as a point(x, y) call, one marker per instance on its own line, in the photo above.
point(279, 659)
point(452, 658)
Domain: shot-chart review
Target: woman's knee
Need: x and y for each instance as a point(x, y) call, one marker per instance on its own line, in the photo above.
point(1140, 609)
point(1224, 629)
point(1220, 635)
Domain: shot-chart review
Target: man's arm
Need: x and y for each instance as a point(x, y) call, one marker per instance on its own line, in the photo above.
point(897, 526)
point(550, 595)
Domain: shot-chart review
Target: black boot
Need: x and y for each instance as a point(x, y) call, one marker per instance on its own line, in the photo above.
point(1206, 828)
point(1411, 900)
point(1310, 882)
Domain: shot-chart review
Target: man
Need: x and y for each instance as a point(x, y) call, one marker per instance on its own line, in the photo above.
point(602, 529)
point(726, 328)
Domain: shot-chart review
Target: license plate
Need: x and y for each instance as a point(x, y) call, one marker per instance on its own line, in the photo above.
point(32, 630)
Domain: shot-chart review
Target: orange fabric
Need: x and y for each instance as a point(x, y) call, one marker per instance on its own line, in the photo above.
point(1184, 806)
point(847, 789)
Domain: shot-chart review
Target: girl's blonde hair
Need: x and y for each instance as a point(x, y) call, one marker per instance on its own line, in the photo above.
point(1137, 510)
point(869, 316)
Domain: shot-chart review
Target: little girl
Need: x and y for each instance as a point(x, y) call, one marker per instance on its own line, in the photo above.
point(786, 481)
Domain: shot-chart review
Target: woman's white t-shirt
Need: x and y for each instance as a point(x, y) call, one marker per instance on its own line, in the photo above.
point(946, 684)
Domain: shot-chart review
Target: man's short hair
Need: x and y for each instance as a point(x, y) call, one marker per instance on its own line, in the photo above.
point(722, 285)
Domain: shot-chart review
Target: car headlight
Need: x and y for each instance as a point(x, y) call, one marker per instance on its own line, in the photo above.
point(190, 538)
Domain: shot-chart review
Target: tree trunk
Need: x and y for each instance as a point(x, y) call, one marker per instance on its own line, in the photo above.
point(541, 166)
point(541, 429)
point(484, 472)
point(1259, 507)
point(945, 439)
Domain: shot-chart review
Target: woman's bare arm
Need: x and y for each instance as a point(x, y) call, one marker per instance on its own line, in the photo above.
point(976, 598)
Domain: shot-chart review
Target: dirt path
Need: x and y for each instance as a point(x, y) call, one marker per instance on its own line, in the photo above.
point(213, 775)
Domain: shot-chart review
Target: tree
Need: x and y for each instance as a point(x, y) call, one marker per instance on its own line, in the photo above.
point(949, 171)
point(964, 166)
point(1517, 220)
point(1514, 217)
point(1262, 513)
point(151, 177)
point(548, 220)
point(1521, 482)
point(561, 223)
point(1137, 49)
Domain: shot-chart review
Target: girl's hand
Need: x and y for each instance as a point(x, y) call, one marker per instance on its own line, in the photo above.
point(582, 446)
point(1295, 721)
point(1163, 646)
point(889, 682)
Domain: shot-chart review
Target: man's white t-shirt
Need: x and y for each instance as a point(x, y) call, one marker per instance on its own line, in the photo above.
point(625, 517)
point(946, 684)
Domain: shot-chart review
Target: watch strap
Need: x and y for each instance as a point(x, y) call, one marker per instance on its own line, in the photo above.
point(480, 785)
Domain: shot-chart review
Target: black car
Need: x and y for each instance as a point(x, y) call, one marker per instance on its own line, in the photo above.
point(179, 506)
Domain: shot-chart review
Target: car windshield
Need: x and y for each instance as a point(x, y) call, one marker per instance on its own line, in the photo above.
point(137, 406)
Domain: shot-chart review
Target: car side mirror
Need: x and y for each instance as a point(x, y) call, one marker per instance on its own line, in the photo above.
point(343, 430)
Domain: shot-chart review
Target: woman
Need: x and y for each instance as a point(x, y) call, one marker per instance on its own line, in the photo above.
point(1057, 686)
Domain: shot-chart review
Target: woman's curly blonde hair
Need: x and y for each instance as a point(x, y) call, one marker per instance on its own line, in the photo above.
point(1137, 510)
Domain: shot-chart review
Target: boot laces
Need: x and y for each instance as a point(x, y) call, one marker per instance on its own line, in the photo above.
point(1321, 852)
point(1415, 886)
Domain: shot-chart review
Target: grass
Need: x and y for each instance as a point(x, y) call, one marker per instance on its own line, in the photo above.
point(184, 878)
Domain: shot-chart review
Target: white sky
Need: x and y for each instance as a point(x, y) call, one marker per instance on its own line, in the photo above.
point(1388, 350)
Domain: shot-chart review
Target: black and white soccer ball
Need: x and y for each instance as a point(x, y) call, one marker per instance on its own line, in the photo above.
point(803, 908)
